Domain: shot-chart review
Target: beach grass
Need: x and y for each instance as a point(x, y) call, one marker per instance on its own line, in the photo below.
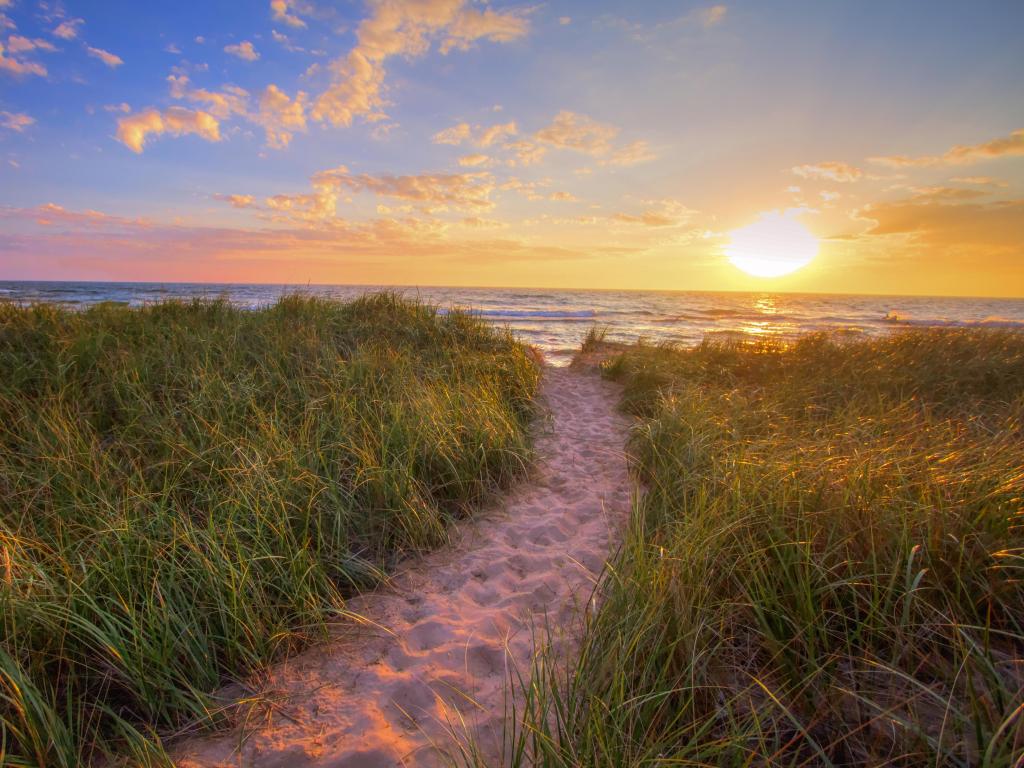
point(189, 491)
point(826, 566)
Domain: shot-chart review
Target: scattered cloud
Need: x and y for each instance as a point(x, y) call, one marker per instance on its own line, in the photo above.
point(404, 29)
point(230, 100)
point(18, 66)
point(68, 29)
point(284, 11)
point(19, 44)
point(134, 130)
point(172, 48)
point(833, 170)
point(16, 121)
point(962, 154)
point(108, 58)
point(281, 116)
point(570, 130)
point(564, 20)
point(473, 160)
point(478, 135)
point(237, 201)
point(631, 154)
point(462, 191)
point(243, 50)
point(567, 197)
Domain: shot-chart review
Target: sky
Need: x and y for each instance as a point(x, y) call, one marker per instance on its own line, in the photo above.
point(548, 144)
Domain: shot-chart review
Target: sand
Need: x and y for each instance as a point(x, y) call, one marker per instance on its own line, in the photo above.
point(431, 659)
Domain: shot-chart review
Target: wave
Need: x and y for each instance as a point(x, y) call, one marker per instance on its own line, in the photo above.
point(555, 314)
point(994, 321)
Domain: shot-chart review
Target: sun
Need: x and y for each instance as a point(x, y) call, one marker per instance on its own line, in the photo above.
point(774, 245)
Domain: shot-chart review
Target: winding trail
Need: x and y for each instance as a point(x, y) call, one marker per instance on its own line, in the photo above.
point(431, 660)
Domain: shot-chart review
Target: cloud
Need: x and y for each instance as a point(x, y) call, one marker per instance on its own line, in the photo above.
point(18, 66)
point(16, 121)
point(473, 160)
point(281, 116)
point(407, 29)
point(479, 135)
point(526, 152)
point(570, 130)
point(564, 20)
point(19, 44)
point(709, 17)
point(962, 154)
point(462, 191)
point(658, 213)
point(998, 224)
point(108, 58)
point(631, 154)
point(172, 48)
point(243, 50)
point(237, 201)
point(134, 130)
point(68, 29)
point(833, 170)
point(563, 197)
point(230, 100)
point(283, 11)
point(981, 181)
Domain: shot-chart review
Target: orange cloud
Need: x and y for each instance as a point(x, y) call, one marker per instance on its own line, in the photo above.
point(16, 121)
point(943, 223)
point(283, 11)
point(18, 66)
point(19, 44)
point(111, 60)
point(243, 50)
point(473, 160)
point(834, 170)
point(714, 15)
point(68, 29)
point(281, 116)
point(962, 154)
point(462, 191)
point(407, 29)
point(237, 201)
point(231, 100)
point(134, 130)
point(570, 130)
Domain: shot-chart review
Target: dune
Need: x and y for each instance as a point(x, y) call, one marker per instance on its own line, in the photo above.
point(423, 669)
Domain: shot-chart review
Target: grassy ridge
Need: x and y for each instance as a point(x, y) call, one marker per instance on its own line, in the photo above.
point(188, 490)
point(827, 568)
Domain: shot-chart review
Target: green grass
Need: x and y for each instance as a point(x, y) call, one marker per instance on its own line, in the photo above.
point(189, 491)
point(827, 567)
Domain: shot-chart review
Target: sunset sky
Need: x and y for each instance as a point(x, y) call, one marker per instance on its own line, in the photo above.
point(443, 142)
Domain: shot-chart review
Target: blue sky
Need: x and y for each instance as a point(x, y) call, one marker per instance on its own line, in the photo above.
point(570, 144)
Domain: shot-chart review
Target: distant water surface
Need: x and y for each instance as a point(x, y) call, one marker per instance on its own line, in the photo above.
point(557, 320)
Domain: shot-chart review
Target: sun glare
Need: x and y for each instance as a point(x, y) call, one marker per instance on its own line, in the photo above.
point(774, 245)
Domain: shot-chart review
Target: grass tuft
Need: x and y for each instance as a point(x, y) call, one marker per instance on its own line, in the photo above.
point(189, 491)
point(825, 569)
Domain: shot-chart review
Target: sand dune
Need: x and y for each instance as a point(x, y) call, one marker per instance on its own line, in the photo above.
point(431, 659)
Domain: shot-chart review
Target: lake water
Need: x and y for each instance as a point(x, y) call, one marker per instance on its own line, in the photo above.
point(557, 320)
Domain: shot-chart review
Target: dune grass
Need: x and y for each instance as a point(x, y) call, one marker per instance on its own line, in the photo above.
point(189, 490)
point(827, 567)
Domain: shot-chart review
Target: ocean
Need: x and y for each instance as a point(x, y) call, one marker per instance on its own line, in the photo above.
point(555, 321)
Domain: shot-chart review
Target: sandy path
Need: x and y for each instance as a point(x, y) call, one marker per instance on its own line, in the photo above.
point(451, 621)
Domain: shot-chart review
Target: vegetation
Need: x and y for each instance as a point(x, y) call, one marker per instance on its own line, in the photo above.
point(826, 568)
point(188, 490)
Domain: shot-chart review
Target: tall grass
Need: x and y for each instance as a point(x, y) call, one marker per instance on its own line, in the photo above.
point(827, 567)
point(189, 490)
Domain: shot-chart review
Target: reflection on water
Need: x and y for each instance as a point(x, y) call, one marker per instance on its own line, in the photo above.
point(556, 321)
